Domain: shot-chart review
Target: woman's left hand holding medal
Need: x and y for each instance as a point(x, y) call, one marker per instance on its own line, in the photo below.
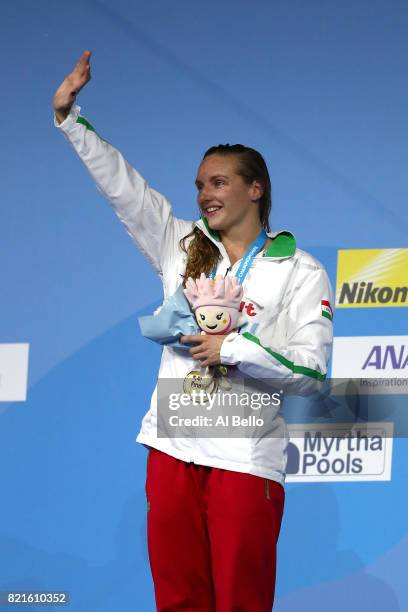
point(207, 349)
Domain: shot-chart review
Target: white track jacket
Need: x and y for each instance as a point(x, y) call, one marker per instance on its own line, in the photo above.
point(286, 335)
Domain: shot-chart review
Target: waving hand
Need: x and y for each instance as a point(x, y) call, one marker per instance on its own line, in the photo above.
point(72, 84)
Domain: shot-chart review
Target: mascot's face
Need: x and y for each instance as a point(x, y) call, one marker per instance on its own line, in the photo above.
point(216, 319)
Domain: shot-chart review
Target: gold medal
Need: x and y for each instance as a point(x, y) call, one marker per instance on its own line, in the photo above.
point(199, 386)
point(197, 381)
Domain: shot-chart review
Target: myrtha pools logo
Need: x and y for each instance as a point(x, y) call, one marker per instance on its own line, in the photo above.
point(339, 452)
point(370, 278)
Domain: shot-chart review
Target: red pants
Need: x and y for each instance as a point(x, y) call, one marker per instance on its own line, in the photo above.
point(212, 536)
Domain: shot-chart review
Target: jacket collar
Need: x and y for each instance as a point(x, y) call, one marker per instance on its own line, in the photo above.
point(283, 243)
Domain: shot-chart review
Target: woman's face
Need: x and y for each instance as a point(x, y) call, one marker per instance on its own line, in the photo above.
point(223, 196)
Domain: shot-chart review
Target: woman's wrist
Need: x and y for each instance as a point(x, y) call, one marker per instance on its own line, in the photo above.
point(61, 115)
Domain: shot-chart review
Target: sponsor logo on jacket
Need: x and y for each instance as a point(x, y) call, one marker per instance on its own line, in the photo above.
point(370, 278)
point(248, 308)
point(339, 453)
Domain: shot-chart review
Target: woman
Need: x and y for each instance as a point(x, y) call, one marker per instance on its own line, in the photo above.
point(215, 504)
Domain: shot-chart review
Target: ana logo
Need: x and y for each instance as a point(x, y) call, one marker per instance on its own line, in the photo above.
point(377, 364)
point(388, 357)
point(340, 452)
point(370, 278)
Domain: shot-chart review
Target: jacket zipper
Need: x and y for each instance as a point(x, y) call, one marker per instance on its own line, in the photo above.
point(267, 489)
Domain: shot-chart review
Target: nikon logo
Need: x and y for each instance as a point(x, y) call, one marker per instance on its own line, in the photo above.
point(368, 293)
point(372, 278)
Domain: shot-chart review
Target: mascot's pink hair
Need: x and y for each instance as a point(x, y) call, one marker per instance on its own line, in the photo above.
point(203, 291)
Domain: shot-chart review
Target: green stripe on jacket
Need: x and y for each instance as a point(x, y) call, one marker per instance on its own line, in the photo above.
point(296, 369)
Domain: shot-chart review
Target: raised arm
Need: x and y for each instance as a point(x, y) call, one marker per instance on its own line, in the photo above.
point(146, 214)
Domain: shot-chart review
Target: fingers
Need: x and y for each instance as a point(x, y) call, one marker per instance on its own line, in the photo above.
point(207, 361)
point(83, 62)
point(189, 339)
point(205, 355)
point(82, 71)
point(203, 352)
point(197, 351)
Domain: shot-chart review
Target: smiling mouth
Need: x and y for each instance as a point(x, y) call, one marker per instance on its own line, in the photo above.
point(212, 210)
point(223, 330)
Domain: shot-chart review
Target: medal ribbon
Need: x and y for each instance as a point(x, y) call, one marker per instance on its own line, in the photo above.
point(248, 258)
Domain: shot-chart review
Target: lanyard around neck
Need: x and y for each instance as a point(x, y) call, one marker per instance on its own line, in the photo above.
point(248, 258)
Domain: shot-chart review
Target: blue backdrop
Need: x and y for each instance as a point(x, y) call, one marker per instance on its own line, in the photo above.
point(319, 87)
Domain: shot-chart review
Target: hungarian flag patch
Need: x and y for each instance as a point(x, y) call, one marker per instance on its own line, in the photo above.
point(327, 310)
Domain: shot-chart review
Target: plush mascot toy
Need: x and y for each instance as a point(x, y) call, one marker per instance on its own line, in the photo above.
point(215, 303)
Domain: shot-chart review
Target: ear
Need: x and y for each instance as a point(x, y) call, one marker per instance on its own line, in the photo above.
point(256, 191)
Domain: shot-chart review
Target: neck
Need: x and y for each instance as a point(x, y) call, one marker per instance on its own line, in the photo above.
point(237, 242)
